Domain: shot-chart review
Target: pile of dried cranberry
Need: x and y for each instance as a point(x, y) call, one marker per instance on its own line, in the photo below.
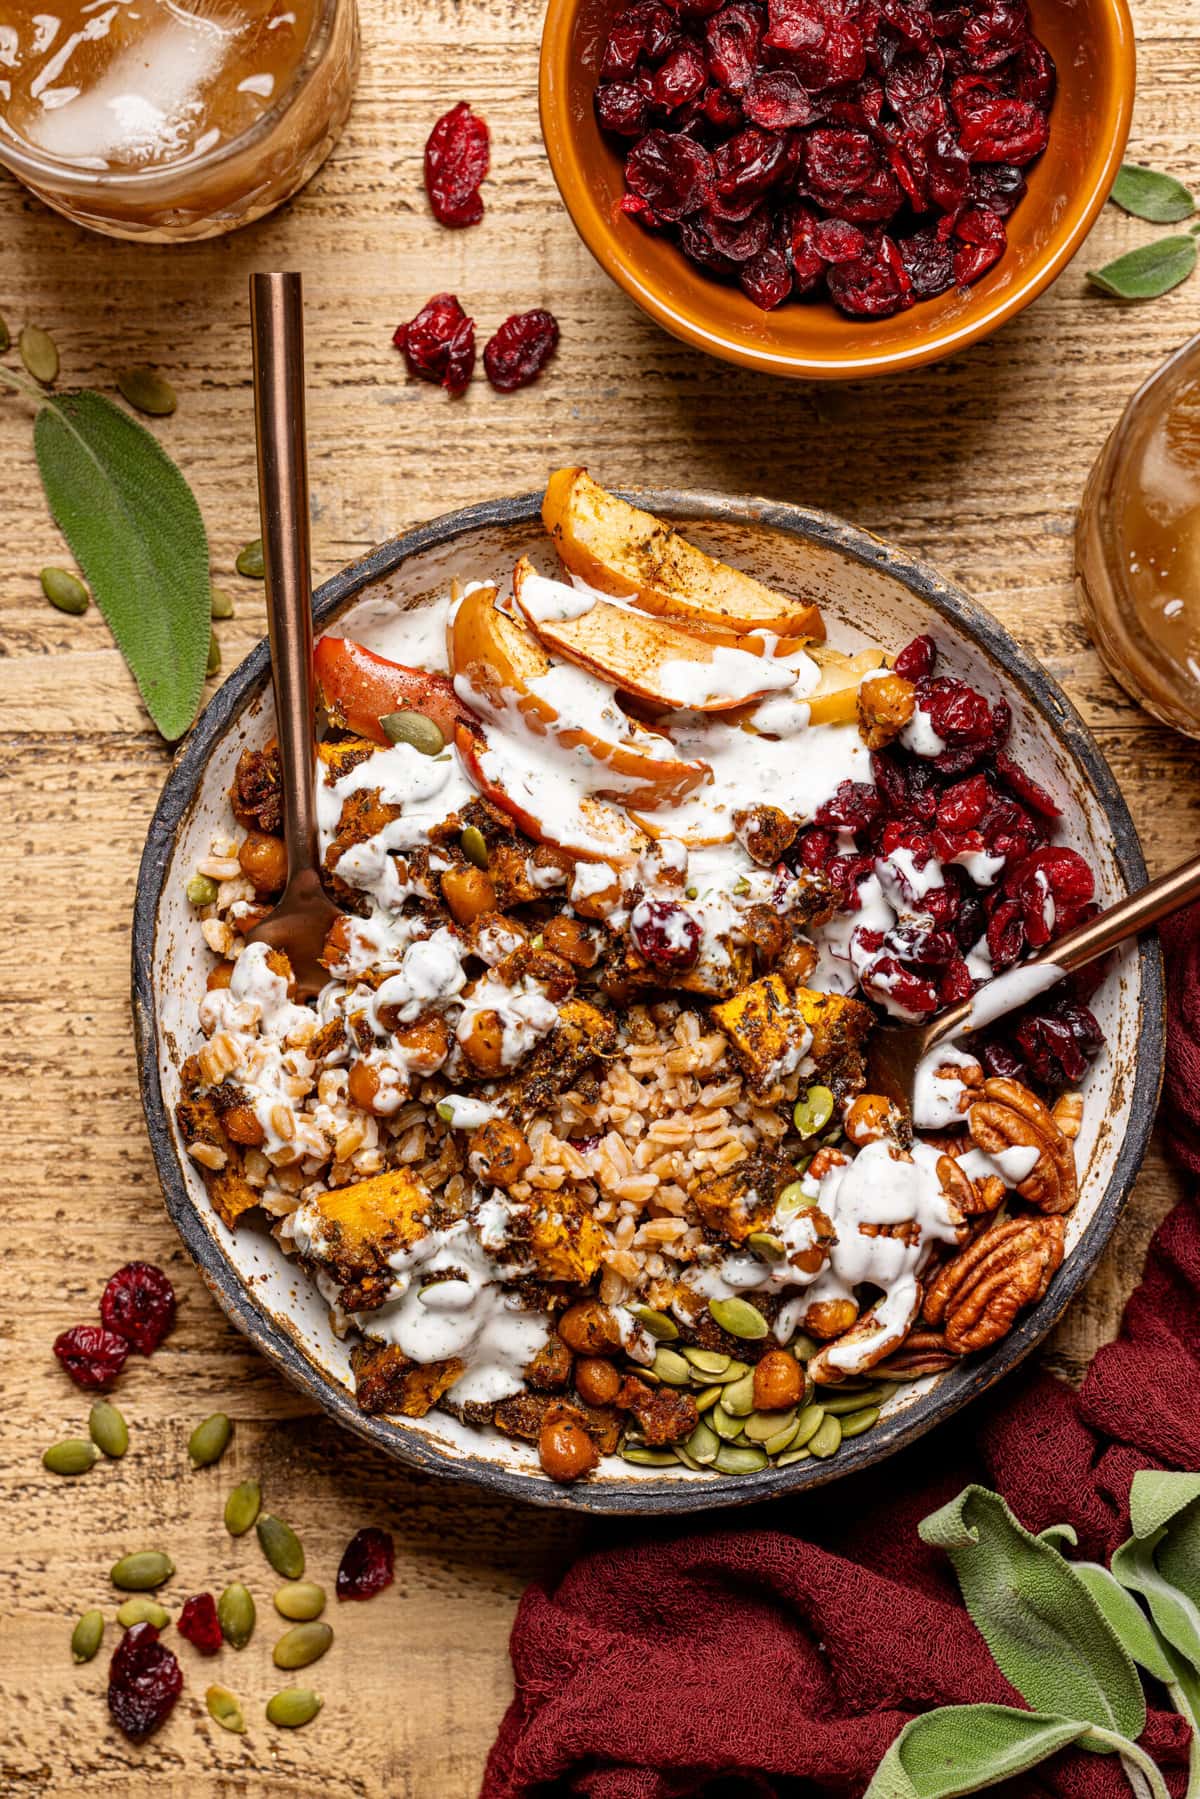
point(137, 1309)
point(969, 799)
point(868, 151)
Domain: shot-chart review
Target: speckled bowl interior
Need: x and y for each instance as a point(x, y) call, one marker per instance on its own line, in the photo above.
point(870, 593)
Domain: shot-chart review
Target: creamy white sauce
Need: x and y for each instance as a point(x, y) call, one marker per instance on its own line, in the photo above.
point(1009, 991)
point(554, 602)
point(524, 1013)
point(728, 674)
point(466, 1112)
point(919, 735)
point(1012, 1165)
point(936, 1097)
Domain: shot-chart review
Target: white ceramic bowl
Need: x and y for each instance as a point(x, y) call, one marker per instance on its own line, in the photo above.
point(869, 593)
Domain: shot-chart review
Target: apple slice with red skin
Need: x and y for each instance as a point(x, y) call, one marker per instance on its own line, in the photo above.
point(361, 687)
point(605, 833)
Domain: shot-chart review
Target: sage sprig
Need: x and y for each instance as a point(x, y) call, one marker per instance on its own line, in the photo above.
point(1149, 194)
point(964, 1748)
point(1147, 272)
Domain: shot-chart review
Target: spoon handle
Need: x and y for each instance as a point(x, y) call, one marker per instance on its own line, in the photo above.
point(277, 331)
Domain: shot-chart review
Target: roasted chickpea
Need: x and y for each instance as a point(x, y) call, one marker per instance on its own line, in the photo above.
point(886, 702)
point(483, 1046)
point(830, 1317)
point(778, 1382)
point(567, 938)
point(797, 962)
point(550, 1369)
point(871, 1117)
point(596, 1381)
point(362, 1086)
point(499, 1152)
point(468, 891)
point(425, 1044)
point(565, 1450)
point(220, 976)
point(600, 901)
point(242, 1126)
point(264, 861)
point(589, 1328)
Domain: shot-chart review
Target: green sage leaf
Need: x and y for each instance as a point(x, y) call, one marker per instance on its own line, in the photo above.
point(1127, 1619)
point(1148, 271)
point(1149, 194)
point(1156, 1496)
point(962, 1748)
point(1045, 1630)
point(1058, 1534)
point(1175, 1613)
point(135, 530)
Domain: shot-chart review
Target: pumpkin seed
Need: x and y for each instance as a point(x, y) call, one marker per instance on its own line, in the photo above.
point(474, 847)
point(681, 1455)
point(108, 1430)
point(766, 1246)
point(793, 1199)
point(738, 1397)
point(292, 1708)
point(236, 1614)
point(221, 603)
point(142, 1571)
point(672, 1368)
point(739, 1318)
point(140, 1610)
point(147, 392)
point(39, 353)
point(803, 1347)
point(855, 1423)
point(657, 1324)
point(302, 1644)
point(225, 1709)
point(645, 1457)
point(708, 1398)
point(793, 1455)
point(808, 1423)
point(5, 339)
point(212, 666)
point(827, 1439)
point(209, 1441)
point(783, 1439)
point(732, 1458)
point(280, 1545)
point(74, 1456)
point(417, 731)
point(837, 1403)
point(734, 1372)
point(703, 1444)
point(812, 1113)
point(65, 590)
point(201, 891)
point(302, 1601)
point(709, 1362)
point(725, 1426)
point(760, 1427)
point(250, 561)
point(87, 1635)
point(242, 1507)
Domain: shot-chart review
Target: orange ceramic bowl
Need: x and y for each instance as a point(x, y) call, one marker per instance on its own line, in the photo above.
point(1091, 42)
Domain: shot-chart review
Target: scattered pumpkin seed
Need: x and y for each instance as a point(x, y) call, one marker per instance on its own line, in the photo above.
point(793, 1455)
point(302, 1601)
point(280, 1545)
point(645, 1457)
point(735, 1371)
point(225, 1709)
point(681, 1455)
point(703, 1444)
point(658, 1324)
point(783, 1439)
point(5, 339)
point(808, 1423)
point(87, 1635)
point(293, 1707)
point(74, 1456)
point(838, 1404)
point(39, 353)
point(812, 1113)
point(147, 392)
point(671, 1368)
point(738, 1397)
point(803, 1347)
point(826, 1440)
point(213, 665)
point(855, 1423)
point(474, 847)
point(733, 1458)
point(236, 1614)
point(221, 603)
point(708, 1398)
point(242, 1507)
point(766, 1246)
point(709, 1362)
point(302, 1644)
point(420, 733)
point(739, 1318)
point(724, 1424)
point(65, 591)
point(108, 1430)
point(142, 1571)
point(688, 892)
point(210, 1439)
point(793, 1199)
point(250, 561)
point(760, 1427)
point(140, 1610)
point(201, 891)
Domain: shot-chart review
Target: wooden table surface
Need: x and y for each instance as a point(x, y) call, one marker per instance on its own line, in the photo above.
point(976, 464)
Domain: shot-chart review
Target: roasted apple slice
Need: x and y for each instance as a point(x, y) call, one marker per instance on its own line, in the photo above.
point(547, 807)
point(360, 688)
point(501, 664)
point(834, 700)
point(619, 550)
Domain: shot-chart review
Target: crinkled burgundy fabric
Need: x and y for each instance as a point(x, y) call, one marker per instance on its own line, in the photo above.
point(778, 1654)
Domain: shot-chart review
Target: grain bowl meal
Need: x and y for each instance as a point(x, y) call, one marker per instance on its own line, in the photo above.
point(578, 1141)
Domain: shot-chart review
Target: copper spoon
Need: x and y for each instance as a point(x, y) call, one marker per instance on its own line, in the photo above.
point(897, 1051)
point(300, 922)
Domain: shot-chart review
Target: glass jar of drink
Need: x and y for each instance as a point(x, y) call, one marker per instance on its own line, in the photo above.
point(1137, 544)
point(172, 119)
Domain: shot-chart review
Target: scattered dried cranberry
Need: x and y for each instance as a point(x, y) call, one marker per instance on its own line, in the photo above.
point(457, 156)
point(1028, 791)
point(439, 344)
point(520, 349)
point(139, 1304)
point(368, 1564)
point(916, 659)
point(665, 934)
point(198, 1622)
point(91, 1355)
point(144, 1681)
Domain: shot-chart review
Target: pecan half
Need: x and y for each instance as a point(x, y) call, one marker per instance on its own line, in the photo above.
point(922, 1352)
point(1009, 1116)
point(974, 1199)
point(977, 1296)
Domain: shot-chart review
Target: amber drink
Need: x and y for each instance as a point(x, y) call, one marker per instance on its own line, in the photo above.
point(172, 119)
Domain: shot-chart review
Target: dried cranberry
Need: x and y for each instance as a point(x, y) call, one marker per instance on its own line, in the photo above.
point(995, 32)
point(873, 287)
point(367, 1564)
point(993, 128)
point(824, 46)
point(622, 108)
point(916, 659)
point(673, 175)
point(947, 170)
point(917, 943)
point(665, 934)
point(778, 100)
point(731, 40)
point(1000, 1059)
point(955, 984)
point(1005, 935)
point(982, 239)
point(139, 1304)
point(457, 156)
point(767, 278)
point(439, 344)
point(913, 78)
point(835, 240)
point(721, 109)
point(897, 988)
point(91, 1355)
point(645, 31)
point(520, 349)
point(747, 164)
point(198, 1622)
point(741, 239)
point(929, 262)
point(964, 804)
point(144, 1681)
point(815, 847)
point(680, 79)
point(1031, 75)
point(696, 244)
point(854, 806)
point(1027, 790)
point(997, 185)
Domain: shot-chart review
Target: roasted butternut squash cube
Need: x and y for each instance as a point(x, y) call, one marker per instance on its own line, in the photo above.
point(565, 1242)
point(772, 1030)
point(742, 1199)
point(387, 1381)
point(359, 1227)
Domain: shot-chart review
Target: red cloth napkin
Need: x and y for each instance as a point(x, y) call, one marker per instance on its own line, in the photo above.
point(745, 1659)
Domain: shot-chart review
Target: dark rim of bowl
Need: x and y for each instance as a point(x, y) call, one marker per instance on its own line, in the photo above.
point(644, 1495)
